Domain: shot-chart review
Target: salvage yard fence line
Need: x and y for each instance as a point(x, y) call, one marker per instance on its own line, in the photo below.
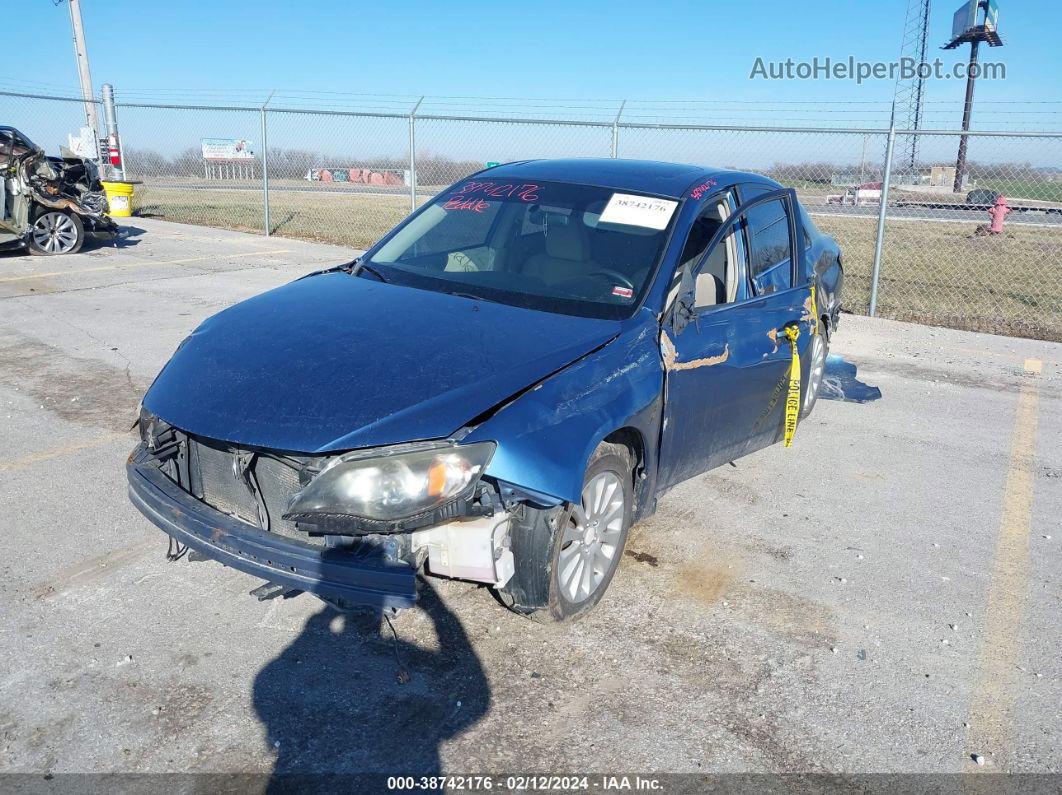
point(556, 121)
point(347, 176)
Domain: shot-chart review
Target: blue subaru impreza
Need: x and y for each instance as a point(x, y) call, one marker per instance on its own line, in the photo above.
point(498, 389)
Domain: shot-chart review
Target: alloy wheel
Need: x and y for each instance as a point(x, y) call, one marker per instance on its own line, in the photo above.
point(816, 370)
point(591, 542)
point(55, 233)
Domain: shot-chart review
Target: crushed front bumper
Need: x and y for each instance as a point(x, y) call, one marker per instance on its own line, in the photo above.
point(328, 573)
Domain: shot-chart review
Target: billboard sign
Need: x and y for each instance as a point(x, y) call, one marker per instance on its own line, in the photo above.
point(965, 19)
point(227, 149)
point(992, 15)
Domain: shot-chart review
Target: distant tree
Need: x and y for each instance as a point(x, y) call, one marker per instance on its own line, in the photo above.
point(293, 163)
point(188, 163)
point(146, 163)
point(820, 172)
point(811, 171)
point(433, 169)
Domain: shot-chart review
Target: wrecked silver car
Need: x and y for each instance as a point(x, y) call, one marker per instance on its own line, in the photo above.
point(49, 204)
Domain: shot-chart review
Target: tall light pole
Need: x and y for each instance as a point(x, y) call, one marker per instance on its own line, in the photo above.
point(967, 110)
point(970, 26)
point(81, 54)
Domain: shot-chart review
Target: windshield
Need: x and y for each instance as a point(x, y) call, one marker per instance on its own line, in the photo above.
point(573, 249)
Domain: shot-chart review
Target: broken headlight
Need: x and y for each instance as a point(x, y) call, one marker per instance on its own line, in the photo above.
point(385, 486)
point(143, 424)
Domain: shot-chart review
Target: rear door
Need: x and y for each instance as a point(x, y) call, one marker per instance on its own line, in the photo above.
point(727, 361)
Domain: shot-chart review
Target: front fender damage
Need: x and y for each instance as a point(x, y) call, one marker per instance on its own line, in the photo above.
point(546, 435)
point(70, 184)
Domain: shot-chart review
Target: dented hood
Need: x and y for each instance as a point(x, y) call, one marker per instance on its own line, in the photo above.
point(334, 362)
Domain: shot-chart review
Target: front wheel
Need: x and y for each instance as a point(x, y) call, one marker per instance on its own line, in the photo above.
point(56, 232)
point(565, 560)
point(820, 347)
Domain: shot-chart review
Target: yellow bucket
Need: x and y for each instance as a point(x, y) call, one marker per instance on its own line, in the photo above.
point(121, 198)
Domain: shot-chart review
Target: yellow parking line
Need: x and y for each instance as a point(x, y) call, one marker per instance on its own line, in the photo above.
point(117, 266)
point(991, 704)
point(1034, 366)
point(58, 452)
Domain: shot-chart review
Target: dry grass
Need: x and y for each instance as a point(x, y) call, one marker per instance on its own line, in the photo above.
point(945, 275)
point(355, 220)
point(936, 273)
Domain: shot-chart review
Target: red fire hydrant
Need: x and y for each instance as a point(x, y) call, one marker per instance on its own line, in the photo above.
point(998, 213)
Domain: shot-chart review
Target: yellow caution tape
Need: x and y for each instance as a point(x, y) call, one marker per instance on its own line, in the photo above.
point(792, 398)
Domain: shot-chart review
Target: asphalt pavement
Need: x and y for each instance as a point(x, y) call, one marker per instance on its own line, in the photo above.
point(881, 597)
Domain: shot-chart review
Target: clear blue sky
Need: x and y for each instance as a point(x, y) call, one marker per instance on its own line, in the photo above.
point(581, 56)
point(579, 49)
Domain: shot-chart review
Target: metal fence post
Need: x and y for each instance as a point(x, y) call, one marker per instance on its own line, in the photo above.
point(110, 118)
point(615, 130)
point(413, 156)
point(881, 221)
point(265, 167)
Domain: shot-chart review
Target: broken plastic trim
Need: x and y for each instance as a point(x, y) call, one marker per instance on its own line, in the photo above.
point(326, 573)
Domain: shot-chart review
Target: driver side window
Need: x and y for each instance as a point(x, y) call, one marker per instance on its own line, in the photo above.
point(454, 230)
point(716, 280)
point(715, 275)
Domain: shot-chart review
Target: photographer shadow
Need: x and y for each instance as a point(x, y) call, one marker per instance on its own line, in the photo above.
point(334, 708)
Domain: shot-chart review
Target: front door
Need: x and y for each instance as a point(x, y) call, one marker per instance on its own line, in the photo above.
point(727, 363)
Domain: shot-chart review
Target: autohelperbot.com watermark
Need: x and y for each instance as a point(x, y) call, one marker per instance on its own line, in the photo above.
point(849, 68)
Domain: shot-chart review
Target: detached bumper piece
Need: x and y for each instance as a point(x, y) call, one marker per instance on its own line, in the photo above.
point(331, 573)
point(103, 228)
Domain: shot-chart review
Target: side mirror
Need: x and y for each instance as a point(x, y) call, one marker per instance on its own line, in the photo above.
point(683, 313)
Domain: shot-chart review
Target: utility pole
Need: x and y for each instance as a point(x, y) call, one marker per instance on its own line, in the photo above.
point(81, 53)
point(114, 155)
point(970, 26)
point(967, 110)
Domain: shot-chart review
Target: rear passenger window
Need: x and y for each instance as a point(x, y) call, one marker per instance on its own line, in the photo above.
point(768, 231)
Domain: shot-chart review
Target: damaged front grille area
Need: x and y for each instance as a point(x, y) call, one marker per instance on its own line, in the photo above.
point(256, 487)
point(249, 485)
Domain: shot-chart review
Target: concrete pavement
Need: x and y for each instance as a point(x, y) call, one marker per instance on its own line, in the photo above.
point(882, 597)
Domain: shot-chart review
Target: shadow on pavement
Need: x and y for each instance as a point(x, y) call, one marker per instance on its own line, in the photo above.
point(334, 709)
point(130, 237)
point(839, 382)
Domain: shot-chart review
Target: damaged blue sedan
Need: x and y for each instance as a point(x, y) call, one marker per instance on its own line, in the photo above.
point(498, 389)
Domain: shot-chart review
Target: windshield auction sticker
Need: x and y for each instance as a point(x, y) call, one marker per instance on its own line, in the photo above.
point(624, 208)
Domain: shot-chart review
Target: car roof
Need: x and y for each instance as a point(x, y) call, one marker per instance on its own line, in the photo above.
point(643, 176)
point(19, 133)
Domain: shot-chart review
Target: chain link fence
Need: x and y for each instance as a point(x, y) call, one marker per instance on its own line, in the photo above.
point(347, 177)
point(941, 262)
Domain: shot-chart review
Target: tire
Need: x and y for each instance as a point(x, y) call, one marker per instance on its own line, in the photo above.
point(564, 558)
point(55, 232)
point(820, 349)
